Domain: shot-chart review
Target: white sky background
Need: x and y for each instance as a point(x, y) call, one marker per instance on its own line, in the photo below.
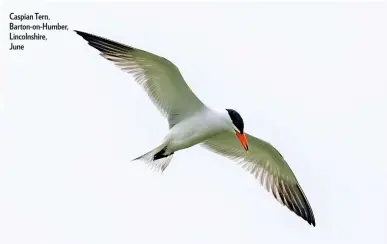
point(309, 78)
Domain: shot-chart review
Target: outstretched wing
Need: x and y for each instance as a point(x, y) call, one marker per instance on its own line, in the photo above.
point(266, 164)
point(160, 78)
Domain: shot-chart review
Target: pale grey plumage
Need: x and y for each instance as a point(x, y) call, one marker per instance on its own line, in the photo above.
point(159, 77)
point(268, 166)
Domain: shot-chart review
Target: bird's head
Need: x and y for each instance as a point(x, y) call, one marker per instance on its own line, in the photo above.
point(236, 124)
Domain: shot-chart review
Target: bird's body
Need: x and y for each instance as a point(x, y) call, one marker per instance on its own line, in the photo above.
point(202, 125)
point(191, 122)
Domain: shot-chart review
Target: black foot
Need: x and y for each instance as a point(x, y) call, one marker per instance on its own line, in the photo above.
point(161, 154)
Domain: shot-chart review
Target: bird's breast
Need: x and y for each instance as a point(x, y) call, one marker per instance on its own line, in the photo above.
point(193, 130)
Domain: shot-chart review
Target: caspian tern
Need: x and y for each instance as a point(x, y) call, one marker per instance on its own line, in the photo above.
point(191, 122)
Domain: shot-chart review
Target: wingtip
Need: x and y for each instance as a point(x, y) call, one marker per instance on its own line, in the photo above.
point(78, 32)
point(82, 34)
point(103, 44)
point(311, 222)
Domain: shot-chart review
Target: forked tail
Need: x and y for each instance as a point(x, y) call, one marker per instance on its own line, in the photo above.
point(157, 158)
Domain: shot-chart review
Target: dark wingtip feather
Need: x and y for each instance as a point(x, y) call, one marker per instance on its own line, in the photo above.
point(311, 220)
point(309, 216)
point(103, 44)
point(295, 200)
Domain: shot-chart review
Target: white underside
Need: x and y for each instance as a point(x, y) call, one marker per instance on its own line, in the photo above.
point(195, 129)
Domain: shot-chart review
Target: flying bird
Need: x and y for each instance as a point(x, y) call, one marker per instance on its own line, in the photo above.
point(191, 122)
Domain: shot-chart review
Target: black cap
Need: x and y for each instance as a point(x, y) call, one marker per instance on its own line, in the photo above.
point(236, 119)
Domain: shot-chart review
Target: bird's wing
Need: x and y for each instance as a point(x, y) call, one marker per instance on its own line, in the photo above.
point(160, 78)
point(266, 164)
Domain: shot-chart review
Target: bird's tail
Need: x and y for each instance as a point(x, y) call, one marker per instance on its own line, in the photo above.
point(157, 158)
